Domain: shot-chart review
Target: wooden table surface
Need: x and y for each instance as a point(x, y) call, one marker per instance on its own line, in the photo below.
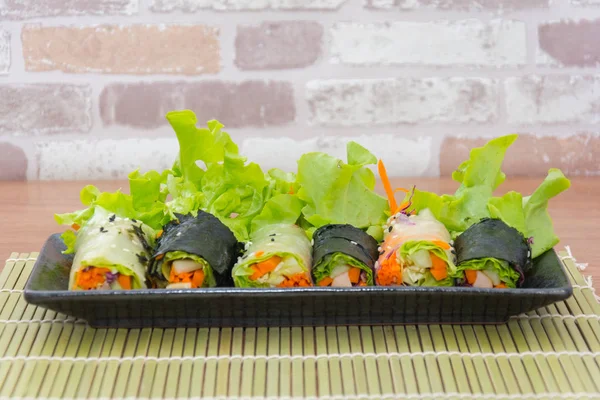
point(27, 209)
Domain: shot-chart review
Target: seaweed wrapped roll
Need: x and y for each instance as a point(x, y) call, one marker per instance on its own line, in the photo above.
point(277, 255)
point(492, 254)
point(194, 252)
point(416, 251)
point(111, 253)
point(343, 256)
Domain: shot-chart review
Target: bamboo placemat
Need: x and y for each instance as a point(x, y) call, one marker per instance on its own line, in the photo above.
point(551, 353)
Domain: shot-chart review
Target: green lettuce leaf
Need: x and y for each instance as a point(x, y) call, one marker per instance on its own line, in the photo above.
point(195, 144)
point(336, 192)
point(279, 209)
point(509, 208)
point(324, 268)
point(537, 220)
point(507, 274)
point(479, 176)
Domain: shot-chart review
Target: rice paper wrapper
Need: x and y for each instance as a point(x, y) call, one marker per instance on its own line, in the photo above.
point(204, 236)
point(275, 240)
point(120, 244)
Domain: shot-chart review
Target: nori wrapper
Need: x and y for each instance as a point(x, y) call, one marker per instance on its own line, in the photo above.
point(346, 239)
point(204, 236)
point(492, 238)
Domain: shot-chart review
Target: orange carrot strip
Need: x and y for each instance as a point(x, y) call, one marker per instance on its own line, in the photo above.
point(198, 278)
point(471, 275)
point(124, 281)
point(75, 227)
point(257, 273)
point(442, 244)
point(386, 185)
point(296, 280)
point(159, 257)
point(502, 285)
point(264, 267)
point(390, 272)
point(159, 233)
point(259, 253)
point(401, 190)
point(325, 281)
point(354, 274)
point(439, 270)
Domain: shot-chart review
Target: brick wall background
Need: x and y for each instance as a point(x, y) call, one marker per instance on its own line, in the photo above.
point(85, 84)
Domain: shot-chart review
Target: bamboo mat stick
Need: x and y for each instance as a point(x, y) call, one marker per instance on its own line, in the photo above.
point(273, 364)
point(323, 375)
point(297, 373)
point(472, 379)
point(137, 367)
point(360, 373)
point(383, 364)
point(260, 371)
point(285, 365)
point(210, 370)
point(578, 279)
point(335, 372)
point(347, 373)
point(447, 342)
point(247, 380)
point(223, 365)
point(436, 342)
point(196, 383)
point(124, 368)
point(235, 369)
point(310, 365)
point(426, 370)
point(407, 365)
point(160, 382)
point(395, 367)
point(487, 370)
point(146, 379)
point(185, 374)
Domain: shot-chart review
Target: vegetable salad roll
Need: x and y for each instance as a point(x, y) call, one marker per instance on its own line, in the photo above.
point(416, 251)
point(277, 256)
point(343, 256)
point(111, 253)
point(492, 254)
point(194, 252)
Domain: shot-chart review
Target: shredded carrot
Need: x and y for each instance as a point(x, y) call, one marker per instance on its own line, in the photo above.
point(362, 283)
point(264, 267)
point(159, 233)
point(291, 189)
point(471, 275)
point(183, 277)
point(159, 257)
point(439, 269)
point(296, 280)
point(92, 278)
point(502, 285)
point(390, 272)
point(386, 185)
point(75, 227)
point(259, 253)
point(442, 244)
point(325, 281)
point(124, 281)
point(401, 190)
point(198, 278)
point(354, 274)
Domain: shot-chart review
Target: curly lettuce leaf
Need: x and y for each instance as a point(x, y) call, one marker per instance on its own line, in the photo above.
point(479, 176)
point(506, 273)
point(509, 208)
point(336, 192)
point(537, 220)
point(279, 209)
point(198, 144)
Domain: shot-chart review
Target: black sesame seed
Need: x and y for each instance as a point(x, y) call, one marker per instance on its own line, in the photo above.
point(272, 240)
point(390, 228)
point(112, 218)
point(102, 230)
point(133, 220)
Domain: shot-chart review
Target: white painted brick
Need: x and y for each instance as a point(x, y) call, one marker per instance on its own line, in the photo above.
point(553, 99)
point(586, 2)
point(103, 159)
point(233, 5)
point(402, 157)
point(4, 52)
point(441, 43)
point(402, 101)
point(26, 9)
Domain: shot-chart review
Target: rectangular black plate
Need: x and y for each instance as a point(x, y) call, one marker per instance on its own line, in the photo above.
point(545, 283)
